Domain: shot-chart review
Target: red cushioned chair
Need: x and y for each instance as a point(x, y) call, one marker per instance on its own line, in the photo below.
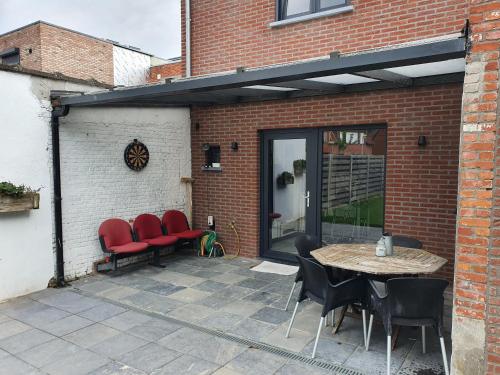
point(115, 236)
point(176, 224)
point(147, 228)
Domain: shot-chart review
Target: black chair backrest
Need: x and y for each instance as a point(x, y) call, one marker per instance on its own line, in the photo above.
point(404, 241)
point(305, 244)
point(416, 298)
point(315, 278)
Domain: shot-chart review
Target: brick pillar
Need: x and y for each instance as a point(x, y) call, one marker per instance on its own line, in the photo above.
point(475, 334)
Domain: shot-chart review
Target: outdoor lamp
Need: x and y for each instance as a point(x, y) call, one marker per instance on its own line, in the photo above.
point(422, 141)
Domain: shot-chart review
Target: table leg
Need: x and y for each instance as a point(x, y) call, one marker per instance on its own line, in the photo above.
point(395, 336)
point(341, 319)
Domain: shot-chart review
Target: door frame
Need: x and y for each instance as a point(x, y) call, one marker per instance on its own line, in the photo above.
point(291, 133)
point(312, 218)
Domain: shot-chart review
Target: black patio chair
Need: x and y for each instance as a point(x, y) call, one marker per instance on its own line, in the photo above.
point(317, 287)
point(409, 301)
point(404, 241)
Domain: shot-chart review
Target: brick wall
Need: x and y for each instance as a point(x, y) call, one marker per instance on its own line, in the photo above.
point(160, 72)
point(96, 183)
point(476, 343)
point(421, 183)
point(228, 34)
point(29, 44)
point(76, 55)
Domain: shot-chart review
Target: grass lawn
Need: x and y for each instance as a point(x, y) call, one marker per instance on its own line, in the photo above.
point(372, 208)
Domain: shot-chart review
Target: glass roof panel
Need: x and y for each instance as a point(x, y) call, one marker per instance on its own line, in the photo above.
point(343, 79)
point(272, 88)
point(431, 69)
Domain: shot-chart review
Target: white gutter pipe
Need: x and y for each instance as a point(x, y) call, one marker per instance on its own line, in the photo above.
point(188, 37)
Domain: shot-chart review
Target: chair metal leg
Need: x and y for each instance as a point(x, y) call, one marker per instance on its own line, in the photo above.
point(291, 320)
point(363, 313)
point(445, 360)
point(423, 340)
point(389, 350)
point(333, 318)
point(369, 334)
point(326, 321)
point(290, 296)
point(317, 336)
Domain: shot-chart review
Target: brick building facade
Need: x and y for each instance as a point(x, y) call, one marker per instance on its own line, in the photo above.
point(172, 69)
point(421, 186)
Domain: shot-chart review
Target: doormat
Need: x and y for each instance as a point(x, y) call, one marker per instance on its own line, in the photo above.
point(278, 268)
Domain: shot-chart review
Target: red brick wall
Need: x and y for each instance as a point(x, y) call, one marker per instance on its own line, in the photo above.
point(477, 293)
point(421, 183)
point(56, 50)
point(25, 40)
point(76, 55)
point(227, 34)
point(165, 71)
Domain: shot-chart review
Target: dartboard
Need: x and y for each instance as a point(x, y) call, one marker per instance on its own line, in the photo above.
point(136, 155)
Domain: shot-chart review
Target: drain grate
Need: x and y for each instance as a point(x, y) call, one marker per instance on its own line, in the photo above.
point(334, 368)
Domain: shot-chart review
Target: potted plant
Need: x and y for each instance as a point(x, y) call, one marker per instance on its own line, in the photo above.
point(341, 143)
point(285, 178)
point(15, 198)
point(299, 166)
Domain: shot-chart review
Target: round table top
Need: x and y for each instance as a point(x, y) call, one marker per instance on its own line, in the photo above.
point(362, 258)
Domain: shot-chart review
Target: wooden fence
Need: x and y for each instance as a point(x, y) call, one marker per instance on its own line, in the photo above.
point(351, 178)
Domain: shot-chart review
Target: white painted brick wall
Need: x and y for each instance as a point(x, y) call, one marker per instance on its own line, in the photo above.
point(130, 68)
point(97, 184)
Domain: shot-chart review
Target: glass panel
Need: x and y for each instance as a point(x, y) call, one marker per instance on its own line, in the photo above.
point(330, 3)
point(287, 206)
point(294, 7)
point(353, 185)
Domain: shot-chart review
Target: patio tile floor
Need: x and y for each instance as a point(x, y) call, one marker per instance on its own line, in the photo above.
point(187, 319)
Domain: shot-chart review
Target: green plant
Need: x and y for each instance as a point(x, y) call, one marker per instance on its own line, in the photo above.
point(9, 189)
point(299, 166)
point(341, 142)
point(285, 178)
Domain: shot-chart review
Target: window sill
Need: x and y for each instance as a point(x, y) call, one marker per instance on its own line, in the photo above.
point(211, 169)
point(307, 17)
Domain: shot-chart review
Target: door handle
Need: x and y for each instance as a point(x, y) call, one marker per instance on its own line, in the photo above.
point(307, 197)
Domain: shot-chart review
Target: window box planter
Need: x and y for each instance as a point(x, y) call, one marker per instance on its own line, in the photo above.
point(25, 202)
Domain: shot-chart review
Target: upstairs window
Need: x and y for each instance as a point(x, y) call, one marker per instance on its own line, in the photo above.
point(295, 8)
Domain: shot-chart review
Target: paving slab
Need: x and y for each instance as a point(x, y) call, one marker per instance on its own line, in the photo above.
point(189, 295)
point(217, 350)
point(165, 289)
point(102, 312)
point(187, 365)
point(243, 308)
point(118, 292)
point(330, 350)
point(149, 357)
point(295, 368)
point(253, 283)
point(229, 278)
point(79, 363)
point(151, 302)
point(192, 312)
point(210, 286)
point(91, 335)
point(70, 302)
point(118, 345)
point(256, 362)
point(11, 328)
point(297, 341)
point(185, 340)
point(49, 352)
point(271, 315)
point(153, 330)
point(66, 325)
point(126, 320)
point(116, 368)
point(253, 329)
point(222, 321)
point(24, 340)
point(14, 366)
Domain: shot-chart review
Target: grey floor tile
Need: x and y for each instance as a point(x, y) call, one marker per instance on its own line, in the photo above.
point(243, 308)
point(296, 342)
point(253, 283)
point(253, 329)
point(66, 325)
point(363, 360)
point(229, 278)
point(188, 365)
point(70, 302)
point(235, 292)
point(149, 357)
point(263, 297)
point(151, 302)
point(116, 368)
point(49, 352)
point(153, 330)
point(136, 282)
point(102, 312)
point(24, 341)
point(11, 328)
point(185, 340)
point(4, 318)
point(118, 292)
point(189, 295)
point(222, 321)
point(206, 273)
point(79, 363)
point(191, 312)
point(95, 287)
point(11, 365)
point(126, 320)
point(224, 267)
point(330, 350)
point(215, 301)
point(256, 362)
point(91, 335)
point(210, 286)
point(295, 368)
point(165, 289)
point(271, 315)
point(118, 345)
point(217, 350)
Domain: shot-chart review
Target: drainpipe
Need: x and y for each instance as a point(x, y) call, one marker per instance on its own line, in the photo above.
point(56, 174)
point(188, 37)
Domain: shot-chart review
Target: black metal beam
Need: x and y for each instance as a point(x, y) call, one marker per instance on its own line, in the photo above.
point(387, 76)
point(369, 61)
point(309, 85)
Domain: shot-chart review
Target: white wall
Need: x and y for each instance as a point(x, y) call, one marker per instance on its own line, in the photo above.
point(26, 239)
point(97, 184)
point(130, 68)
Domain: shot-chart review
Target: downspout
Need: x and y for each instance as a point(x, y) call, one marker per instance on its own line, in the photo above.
point(188, 37)
point(57, 112)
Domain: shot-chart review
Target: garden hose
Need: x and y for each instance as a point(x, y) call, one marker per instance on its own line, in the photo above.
point(208, 245)
point(232, 225)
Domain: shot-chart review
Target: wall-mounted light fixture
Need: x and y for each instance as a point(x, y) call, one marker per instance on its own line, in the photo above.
point(422, 141)
point(234, 146)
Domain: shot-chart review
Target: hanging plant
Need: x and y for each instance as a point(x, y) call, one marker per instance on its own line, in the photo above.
point(299, 166)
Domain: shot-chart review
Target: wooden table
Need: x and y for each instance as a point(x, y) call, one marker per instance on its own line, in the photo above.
point(362, 258)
